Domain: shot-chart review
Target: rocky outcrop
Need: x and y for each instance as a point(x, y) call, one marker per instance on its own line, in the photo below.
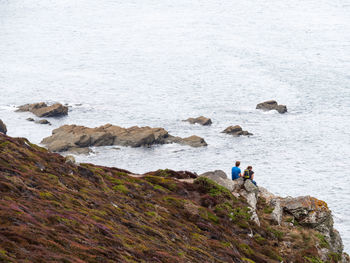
point(3, 128)
point(41, 109)
point(200, 120)
point(236, 131)
point(311, 213)
point(272, 105)
point(304, 211)
point(71, 137)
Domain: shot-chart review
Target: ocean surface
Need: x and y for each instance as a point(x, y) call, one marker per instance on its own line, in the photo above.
point(155, 63)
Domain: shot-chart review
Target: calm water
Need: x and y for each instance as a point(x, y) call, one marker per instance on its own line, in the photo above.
point(157, 62)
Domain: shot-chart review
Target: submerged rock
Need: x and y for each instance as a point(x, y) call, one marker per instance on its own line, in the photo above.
point(236, 131)
point(200, 120)
point(30, 119)
point(41, 109)
point(69, 137)
point(3, 128)
point(271, 105)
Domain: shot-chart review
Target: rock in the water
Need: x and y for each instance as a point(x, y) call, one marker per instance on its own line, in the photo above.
point(41, 109)
point(194, 141)
point(44, 121)
point(69, 137)
point(236, 131)
point(30, 119)
point(281, 108)
point(200, 120)
point(3, 128)
point(271, 105)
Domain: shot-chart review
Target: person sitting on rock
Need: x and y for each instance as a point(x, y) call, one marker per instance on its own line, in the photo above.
point(236, 171)
point(249, 174)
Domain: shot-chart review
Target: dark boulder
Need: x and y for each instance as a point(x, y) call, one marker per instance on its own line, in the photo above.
point(271, 105)
point(200, 120)
point(41, 109)
point(236, 131)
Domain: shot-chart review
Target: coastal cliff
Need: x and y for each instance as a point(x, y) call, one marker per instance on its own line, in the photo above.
point(53, 210)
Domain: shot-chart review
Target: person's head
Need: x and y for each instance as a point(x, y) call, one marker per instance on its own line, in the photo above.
point(238, 163)
point(249, 167)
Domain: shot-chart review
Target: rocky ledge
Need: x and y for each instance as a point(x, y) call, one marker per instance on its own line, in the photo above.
point(200, 120)
point(73, 137)
point(3, 128)
point(41, 109)
point(53, 210)
point(236, 131)
point(289, 214)
point(272, 105)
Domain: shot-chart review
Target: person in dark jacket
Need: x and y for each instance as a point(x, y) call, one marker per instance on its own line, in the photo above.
point(249, 174)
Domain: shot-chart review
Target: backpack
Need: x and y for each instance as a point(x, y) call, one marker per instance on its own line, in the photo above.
point(247, 174)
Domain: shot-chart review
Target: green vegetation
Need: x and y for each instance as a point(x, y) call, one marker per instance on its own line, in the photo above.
point(313, 260)
point(87, 213)
point(245, 249)
point(278, 234)
point(268, 210)
point(323, 241)
point(213, 188)
point(121, 188)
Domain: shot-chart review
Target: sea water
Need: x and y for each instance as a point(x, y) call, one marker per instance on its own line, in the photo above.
point(156, 63)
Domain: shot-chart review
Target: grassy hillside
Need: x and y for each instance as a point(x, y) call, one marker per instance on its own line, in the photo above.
point(52, 210)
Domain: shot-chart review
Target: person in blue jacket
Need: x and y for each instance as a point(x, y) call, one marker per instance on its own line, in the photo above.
point(236, 171)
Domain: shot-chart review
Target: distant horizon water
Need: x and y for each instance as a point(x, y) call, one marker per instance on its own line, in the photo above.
point(155, 63)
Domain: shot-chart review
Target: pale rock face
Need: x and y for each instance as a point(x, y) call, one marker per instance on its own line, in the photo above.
point(220, 178)
point(277, 212)
point(252, 199)
point(215, 174)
